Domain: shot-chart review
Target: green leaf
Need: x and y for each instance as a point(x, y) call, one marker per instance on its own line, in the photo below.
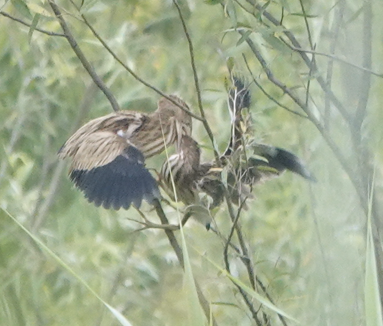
point(230, 62)
point(250, 291)
point(285, 5)
point(299, 14)
point(244, 37)
point(275, 42)
point(195, 312)
point(355, 15)
point(39, 10)
point(90, 5)
point(231, 12)
point(4, 4)
point(373, 308)
point(212, 2)
point(22, 8)
point(35, 21)
point(123, 321)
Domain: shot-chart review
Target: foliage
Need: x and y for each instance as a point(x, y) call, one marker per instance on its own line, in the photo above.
point(307, 242)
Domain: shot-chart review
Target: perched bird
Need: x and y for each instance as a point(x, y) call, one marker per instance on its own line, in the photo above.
point(108, 153)
point(181, 172)
point(180, 176)
point(183, 176)
point(245, 164)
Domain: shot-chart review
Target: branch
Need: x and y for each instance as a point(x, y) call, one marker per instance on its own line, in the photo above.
point(330, 65)
point(128, 69)
point(29, 25)
point(196, 82)
point(338, 104)
point(275, 81)
point(244, 253)
point(268, 95)
point(41, 213)
point(178, 251)
point(360, 145)
point(353, 176)
point(333, 57)
point(88, 67)
point(307, 24)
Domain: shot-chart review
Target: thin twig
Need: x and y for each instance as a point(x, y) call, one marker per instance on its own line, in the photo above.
point(361, 147)
point(18, 127)
point(196, 82)
point(307, 25)
point(80, 55)
point(338, 20)
point(56, 178)
point(267, 94)
point(118, 278)
point(309, 81)
point(244, 252)
point(276, 81)
point(354, 177)
point(29, 25)
point(228, 243)
point(128, 69)
point(338, 104)
point(335, 58)
point(347, 167)
point(178, 251)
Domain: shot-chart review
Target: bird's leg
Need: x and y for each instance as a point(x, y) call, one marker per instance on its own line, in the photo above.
point(150, 225)
point(185, 218)
point(169, 203)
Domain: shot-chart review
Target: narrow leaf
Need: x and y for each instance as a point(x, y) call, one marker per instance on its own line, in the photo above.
point(39, 10)
point(22, 8)
point(373, 308)
point(231, 12)
point(244, 37)
point(251, 292)
point(196, 315)
point(35, 21)
point(123, 321)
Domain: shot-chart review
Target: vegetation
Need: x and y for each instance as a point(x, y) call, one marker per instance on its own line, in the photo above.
point(315, 249)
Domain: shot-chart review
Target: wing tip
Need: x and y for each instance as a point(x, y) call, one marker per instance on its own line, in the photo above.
point(117, 188)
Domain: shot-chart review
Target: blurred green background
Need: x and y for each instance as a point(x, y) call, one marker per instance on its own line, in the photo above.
point(308, 241)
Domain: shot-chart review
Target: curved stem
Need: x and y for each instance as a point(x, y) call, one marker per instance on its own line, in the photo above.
point(80, 55)
point(196, 82)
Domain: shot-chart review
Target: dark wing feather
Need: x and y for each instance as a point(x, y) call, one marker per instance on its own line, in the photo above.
point(291, 162)
point(119, 183)
point(281, 160)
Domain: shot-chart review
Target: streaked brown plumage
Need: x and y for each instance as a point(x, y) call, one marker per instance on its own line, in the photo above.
point(108, 153)
point(191, 177)
point(181, 172)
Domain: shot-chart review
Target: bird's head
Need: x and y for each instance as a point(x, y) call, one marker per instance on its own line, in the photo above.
point(168, 110)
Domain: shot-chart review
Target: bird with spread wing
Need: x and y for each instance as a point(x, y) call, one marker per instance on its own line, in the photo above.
point(108, 156)
point(108, 153)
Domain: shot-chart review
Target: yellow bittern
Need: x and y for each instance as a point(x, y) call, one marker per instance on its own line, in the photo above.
point(184, 175)
point(108, 153)
point(181, 172)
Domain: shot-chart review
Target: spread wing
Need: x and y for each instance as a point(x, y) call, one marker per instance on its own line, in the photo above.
point(106, 167)
point(109, 130)
point(119, 183)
